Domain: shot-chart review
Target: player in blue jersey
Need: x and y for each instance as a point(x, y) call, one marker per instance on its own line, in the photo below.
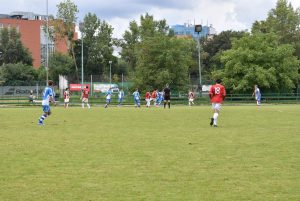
point(48, 97)
point(159, 98)
point(257, 95)
point(108, 97)
point(121, 97)
point(136, 96)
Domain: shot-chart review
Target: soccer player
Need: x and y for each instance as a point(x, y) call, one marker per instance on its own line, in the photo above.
point(85, 97)
point(167, 96)
point(121, 97)
point(159, 98)
point(67, 97)
point(217, 94)
point(31, 97)
point(257, 95)
point(108, 97)
point(191, 97)
point(136, 96)
point(147, 98)
point(153, 97)
point(48, 97)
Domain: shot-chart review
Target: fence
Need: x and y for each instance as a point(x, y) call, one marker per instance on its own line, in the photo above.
point(20, 96)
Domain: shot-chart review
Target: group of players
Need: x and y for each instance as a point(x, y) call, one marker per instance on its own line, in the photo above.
point(217, 95)
point(157, 97)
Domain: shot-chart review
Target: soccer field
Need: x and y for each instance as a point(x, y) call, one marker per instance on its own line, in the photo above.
point(151, 154)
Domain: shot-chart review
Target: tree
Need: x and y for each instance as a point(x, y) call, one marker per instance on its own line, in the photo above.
point(259, 59)
point(60, 65)
point(163, 59)
point(285, 22)
point(12, 49)
point(213, 48)
point(131, 38)
point(64, 27)
point(18, 75)
point(97, 44)
point(138, 33)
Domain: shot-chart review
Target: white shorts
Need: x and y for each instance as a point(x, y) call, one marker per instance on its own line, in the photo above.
point(85, 100)
point(67, 100)
point(216, 106)
point(191, 100)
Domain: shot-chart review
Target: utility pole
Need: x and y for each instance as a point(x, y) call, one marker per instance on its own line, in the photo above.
point(110, 62)
point(47, 45)
point(198, 29)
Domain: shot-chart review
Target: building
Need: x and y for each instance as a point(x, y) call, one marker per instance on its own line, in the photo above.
point(188, 30)
point(33, 36)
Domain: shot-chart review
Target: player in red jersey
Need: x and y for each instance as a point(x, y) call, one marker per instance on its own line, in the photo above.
point(153, 97)
point(217, 94)
point(147, 98)
point(85, 97)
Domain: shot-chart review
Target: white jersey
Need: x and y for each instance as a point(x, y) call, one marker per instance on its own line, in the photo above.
point(108, 95)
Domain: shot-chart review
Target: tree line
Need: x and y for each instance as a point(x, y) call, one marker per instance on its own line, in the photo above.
point(151, 55)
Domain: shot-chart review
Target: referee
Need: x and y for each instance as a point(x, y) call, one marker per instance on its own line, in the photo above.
point(167, 96)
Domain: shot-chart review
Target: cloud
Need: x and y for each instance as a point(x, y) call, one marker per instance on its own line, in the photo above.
point(222, 14)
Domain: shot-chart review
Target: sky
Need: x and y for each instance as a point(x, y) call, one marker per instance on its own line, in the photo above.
point(221, 14)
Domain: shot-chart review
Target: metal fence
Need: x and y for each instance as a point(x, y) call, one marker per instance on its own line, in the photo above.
point(19, 95)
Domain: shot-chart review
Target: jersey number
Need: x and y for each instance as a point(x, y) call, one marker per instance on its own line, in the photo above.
point(217, 90)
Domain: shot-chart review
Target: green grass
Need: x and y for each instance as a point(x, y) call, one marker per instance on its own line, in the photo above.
point(150, 154)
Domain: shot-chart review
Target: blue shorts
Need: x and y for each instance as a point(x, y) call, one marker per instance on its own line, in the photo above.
point(46, 108)
point(107, 100)
point(137, 101)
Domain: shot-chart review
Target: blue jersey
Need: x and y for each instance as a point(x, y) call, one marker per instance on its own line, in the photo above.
point(257, 93)
point(46, 95)
point(121, 94)
point(108, 94)
point(136, 95)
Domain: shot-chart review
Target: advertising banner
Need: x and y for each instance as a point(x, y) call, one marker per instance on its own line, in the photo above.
point(103, 88)
point(21, 90)
point(77, 87)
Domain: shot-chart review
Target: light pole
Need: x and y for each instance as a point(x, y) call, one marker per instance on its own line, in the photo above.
point(0, 57)
point(198, 29)
point(81, 27)
point(47, 45)
point(110, 74)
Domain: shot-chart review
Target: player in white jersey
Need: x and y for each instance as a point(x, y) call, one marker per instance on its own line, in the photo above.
point(136, 96)
point(191, 97)
point(67, 97)
point(47, 98)
point(121, 97)
point(257, 95)
point(108, 97)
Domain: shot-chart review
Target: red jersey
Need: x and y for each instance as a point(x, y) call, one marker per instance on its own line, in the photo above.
point(217, 93)
point(147, 96)
point(85, 93)
point(154, 94)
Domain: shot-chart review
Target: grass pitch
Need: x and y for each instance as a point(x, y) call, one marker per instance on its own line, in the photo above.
point(150, 154)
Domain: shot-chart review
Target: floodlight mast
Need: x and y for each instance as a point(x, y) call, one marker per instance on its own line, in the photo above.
point(198, 29)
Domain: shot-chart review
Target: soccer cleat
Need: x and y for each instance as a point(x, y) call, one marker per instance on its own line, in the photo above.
point(215, 126)
point(41, 124)
point(211, 121)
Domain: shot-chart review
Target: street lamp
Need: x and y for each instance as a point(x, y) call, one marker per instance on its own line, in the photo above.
point(198, 29)
point(47, 44)
point(81, 28)
point(110, 73)
point(0, 57)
